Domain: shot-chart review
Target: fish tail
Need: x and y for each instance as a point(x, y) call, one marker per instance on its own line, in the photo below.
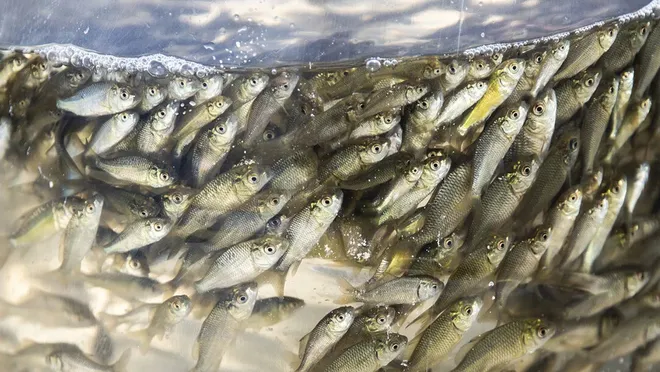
point(348, 292)
point(109, 321)
point(276, 279)
point(143, 338)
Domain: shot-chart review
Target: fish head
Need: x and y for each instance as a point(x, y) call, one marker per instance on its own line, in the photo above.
point(609, 320)
point(92, 207)
point(388, 347)
point(626, 79)
point(644, 107)
point(559, 50)
point(541, 240)
point(591, 183)
point(509, 72)
point(514, 118)
point(39, 70)
point(385, 121)
point(241, 300)
point(586, 82)
point(453, 241)
point(76, 77)
point(328, 205)
point(616, 188)
point(179, 306)
point(464, 312)
point(160, 176)
point(638, 33)
point(373, 151)
point(164, 116)
point(254, 84)
point(429, 106)
point(477, 89)
point(20, 107)
point(250, 179)
point(276, 225)
point(154, 94)
point(607, 36)
point(216, 106)
point(157, 228)
point(607, 93)
point(267, 250)
point(535, 62)
point(651, 299)
point(428, 287)
point(536, 333)
point(568, 144)
point(17, 62)
point(435, 169)
point(183, 87)
point(434, 68)
point(210, 85)
point(522, 174)
point(379, 319)
point(482, 67)
point(135, 263)
point(496, 247)
point(340, 319)
point(272, 202)
point(122, 97)
point(635, 281)
point(144, 209)
point(126, 119)
point(570, 202)
point(224, 130)
point(413, 172)
point(283, 85)
point(176, 200)
point(456, 72)
point(601, 204)
point(415, 92)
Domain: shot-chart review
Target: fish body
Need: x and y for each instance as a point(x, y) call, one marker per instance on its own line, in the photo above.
point(80, 233)
point(113, 131)
point(561, 218)
point(137, 169)
point(594, 124)
point(456, 104)
point(232, 188)
point(211, 148)
point(536, 133)
point(573, 93)
point(273, 310)
point(586, 51)
point(585, 228)
point(139, 234)
point(367, 356)
point(557, 54)
point(629, 41)
point(407, 290)
point(626, 80)
point(100, 99)
point(324, 336)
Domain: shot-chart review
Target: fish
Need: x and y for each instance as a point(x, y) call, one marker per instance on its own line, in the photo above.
point(455, 74)
point(75, 360)
point(535, 136)
point(396, 188)
point(583, 333)
point(176, 201)
point(139, 234)
point(611, 288)
point(112, 132)
point(561, 218)
point(627, 44)
point(137, 169)
point(626, 80)
point(493, 144)
point(598, 113)
point(327, 332)
point(380, 173)
point(407, 290)
point(45, 220)
point(556, 55)
point(389, 98)
point(232, 188)
point(154, 133)
point(243, 262)
point(421, 123)
point(647, 64)
point(461, 100)
point(245, 89)
point(633, 119)
point(437, 259)
point(586, 51)
point(270, 311)
point(500, 86)
point(132, 288)
point(80, 232)
point(222, 325)
point(533, 64)
point(369, 355)
point(616, 191)
point(521, 262)
point(353, 160)
point(639, 180)
point(49, 310)
point(507, 342)
point(293, 172)
point(585, 228)
point(267, 102)
point(211, 148)
point(438, 340)
point(502, 197)
point(100, 99)
point(552, 174)
point(574, 92)
point(194, 120)
point(166, 316)
point(249, 219)
point(210, 87)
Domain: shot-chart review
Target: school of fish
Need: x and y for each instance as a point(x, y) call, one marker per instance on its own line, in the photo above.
point(518, 190)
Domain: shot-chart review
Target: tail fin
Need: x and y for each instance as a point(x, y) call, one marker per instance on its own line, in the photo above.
point(122, 364)
point(144, 338)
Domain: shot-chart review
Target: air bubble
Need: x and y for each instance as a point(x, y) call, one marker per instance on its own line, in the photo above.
point(483, 34)
point(237, 17)
point(373, 65)
point(292, 25)
point(209, 46)
point(156, 69)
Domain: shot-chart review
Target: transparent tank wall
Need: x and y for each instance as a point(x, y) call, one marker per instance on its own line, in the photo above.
point(94, 312)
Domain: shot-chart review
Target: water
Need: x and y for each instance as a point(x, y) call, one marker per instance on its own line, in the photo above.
point(28, 182)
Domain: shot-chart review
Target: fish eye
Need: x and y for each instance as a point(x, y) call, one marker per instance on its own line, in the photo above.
point(414, 170)
point(176, 305)
point(562, 47)
point(514, 67)
point(124, 116)
point(514, 114)
point(435, 165)
point(610, 32)
point(253, 81)
point(381, 320)
point(388, 120)
point(434, 286)
point(573, 144)
point(253, 179)
point(640, 275)
point(589, 82)
point(219, 104)
point(269, 135)
point(270, 249)
point(437, 71)
point(480, 84)
point(538, 58)
point(152, 91)
point(497, 57)
point(242, 299)
point(205, 85)
point(616, 189)
point(467, 310)
point(361, 105)
point(182, 83)
point(90, 208)
point(164, 176)
point(395, 347)
point(543, 237)
point(452, 69)
point(161, 114)
point(642, 31)
point(611, 89)
point(285, 86)
point(449, 242)
point(376, 148)
point(123, 93)
point(221, 129)
point(542, 332)
point(526, 170)
point(424, 104)
point(158, 226)
point(326, 201)
point(275, 201)
point(340, 317)
point(420, 90)
point(501, 245)
point(177, 198)
point(17, 62)
point(134, 264)
point(645, 104)
point(144, 213)
point(79, 75)
point(539, 108)
point(573, 197)
point(345, 73)
point(480, 65)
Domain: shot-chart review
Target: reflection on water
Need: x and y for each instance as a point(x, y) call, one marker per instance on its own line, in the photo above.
point(267, 33)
